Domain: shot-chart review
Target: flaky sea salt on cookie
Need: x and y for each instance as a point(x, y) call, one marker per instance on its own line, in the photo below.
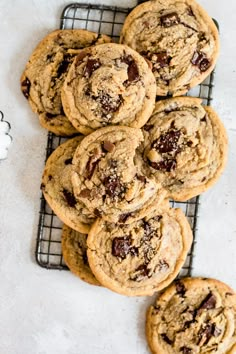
point(109, 84)
point(178, 38)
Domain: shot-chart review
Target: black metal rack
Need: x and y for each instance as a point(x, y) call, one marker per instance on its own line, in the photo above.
point(107, 20)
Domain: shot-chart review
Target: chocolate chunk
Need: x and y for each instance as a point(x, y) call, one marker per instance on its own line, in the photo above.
point(121, 246)
point(68, 161)
point(148, 127)
point(92, 163)
point(203, 119)
point(189, 143)
point(63, 66)
point(180, 288)
point(70, 199)
point(166, 165)
point(80, 57)
point(208, 303)
point(124, 217)
point(158, 60)
point(108, 103)
point(186, 350)
point(133, 73)
point(161, 58)
point(141, 178)
point(167, 142)
point(170, 19)
point(49, 57)
point(205, 333)
point(204, 65)
point(113, 186)
point(91, 66)
point(85, 193)
point(108, 146)
point(25, 87)
point(97, 213)
point(50, 177)
point(166, 338)
point(197, 58)
point(201, 61)
point(140, 273)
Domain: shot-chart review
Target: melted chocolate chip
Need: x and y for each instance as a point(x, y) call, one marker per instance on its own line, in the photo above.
point(68, 161)
point(124, 217)
point(97, 213)
point(148, 127)
point(85, 193)
point(208, 303)
point(132, 71)
point(205, 333)
point(140, 273)
point(186, 350)
point(141, 178)
point(108, 103)
point(49, 57)
point(170, 19)
point(25, 87)
point(199, 59)
point(92, 163)
point(167, 142)
point(166, 165)
point(108, 146)
point(69, 197)
point(113, 186)
point(80, 57)
point(91, 66)
point(204, 65)
point(158, 60)
point(121, 246)
point(166, 338)
point(203, 119)
point(180, 288)
point(50, 177)
point(189, 143)
point(63, 66)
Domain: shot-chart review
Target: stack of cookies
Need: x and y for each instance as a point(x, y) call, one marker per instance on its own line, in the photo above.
point(132, 150)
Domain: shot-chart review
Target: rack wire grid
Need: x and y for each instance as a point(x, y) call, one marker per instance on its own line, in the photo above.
point(107, 20)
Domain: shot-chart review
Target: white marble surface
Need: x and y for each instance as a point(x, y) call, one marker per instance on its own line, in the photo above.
point(51, 312)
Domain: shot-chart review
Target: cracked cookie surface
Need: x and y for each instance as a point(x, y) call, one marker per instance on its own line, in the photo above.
point(193, 316)
point(109, 84)
point(178, 38)
point(106, 179)
point(45, 73)
point(74, 250)
point(143, 257)
point(58, 191)
point(185, 146)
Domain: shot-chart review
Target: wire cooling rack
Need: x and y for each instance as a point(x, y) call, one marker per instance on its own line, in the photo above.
point(107, 20)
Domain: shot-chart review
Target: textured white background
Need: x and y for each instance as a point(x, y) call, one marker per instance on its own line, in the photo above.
point(52, 312)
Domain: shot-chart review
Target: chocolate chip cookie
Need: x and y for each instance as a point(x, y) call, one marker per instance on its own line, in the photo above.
point(45, 72)
point(179, 40)
point(57, 188)
point(106, 179)
point(109, 84)
point(74, 250)
point(185, 146)
point(193, 316)
point(140, 258)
